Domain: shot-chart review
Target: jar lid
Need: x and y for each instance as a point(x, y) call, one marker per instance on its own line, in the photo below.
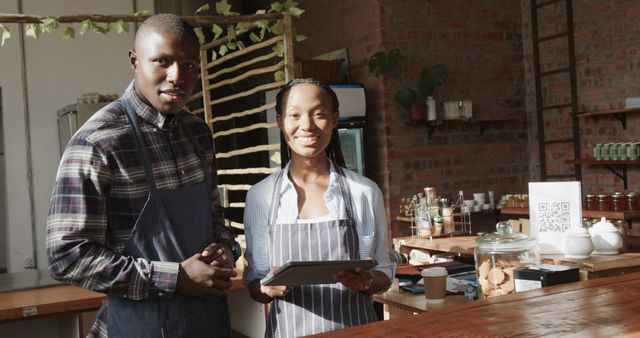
point(505, 239)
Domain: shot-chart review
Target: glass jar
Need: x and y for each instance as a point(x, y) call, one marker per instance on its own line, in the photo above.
point(604, 202)
point(633, 201)
point(617, 201)
point(590, 202)
point(498, 254)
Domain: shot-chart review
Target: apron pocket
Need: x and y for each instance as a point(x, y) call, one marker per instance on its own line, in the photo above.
point(198, 325)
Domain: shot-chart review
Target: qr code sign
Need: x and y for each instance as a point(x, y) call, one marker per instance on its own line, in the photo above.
point(554, 216)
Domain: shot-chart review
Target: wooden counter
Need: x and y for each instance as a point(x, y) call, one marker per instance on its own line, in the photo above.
point(605, 307)
point(414, 303)
point(58, 299)
point(454, 244)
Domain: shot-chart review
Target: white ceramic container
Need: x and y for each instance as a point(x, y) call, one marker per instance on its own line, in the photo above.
point(606, 238)
point(576, 243)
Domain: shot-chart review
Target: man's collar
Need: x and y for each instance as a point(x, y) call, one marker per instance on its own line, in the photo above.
point(143, 109)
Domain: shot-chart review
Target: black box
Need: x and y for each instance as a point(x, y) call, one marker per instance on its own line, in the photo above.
point(544, 275)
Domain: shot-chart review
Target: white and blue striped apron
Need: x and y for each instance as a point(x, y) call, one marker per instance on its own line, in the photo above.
point(311, 309)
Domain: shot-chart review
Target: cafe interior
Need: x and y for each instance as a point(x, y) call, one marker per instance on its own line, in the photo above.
point(503, 134)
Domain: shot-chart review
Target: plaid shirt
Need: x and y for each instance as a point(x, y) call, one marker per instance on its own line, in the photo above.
point(101, 189)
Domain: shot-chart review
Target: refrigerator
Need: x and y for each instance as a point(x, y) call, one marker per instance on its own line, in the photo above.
point(352, 105)
point(71, 117)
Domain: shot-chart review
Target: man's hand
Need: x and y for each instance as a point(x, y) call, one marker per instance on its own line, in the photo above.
point(198, 279)
point(219, 255)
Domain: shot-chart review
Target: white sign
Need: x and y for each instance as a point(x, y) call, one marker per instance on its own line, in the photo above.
point(554, 207)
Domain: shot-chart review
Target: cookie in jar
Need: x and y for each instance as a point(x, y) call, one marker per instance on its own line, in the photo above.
point(498, 254)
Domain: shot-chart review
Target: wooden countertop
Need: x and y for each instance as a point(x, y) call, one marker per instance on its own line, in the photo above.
point(605, 307)
point(49, 300)
point(454, 244)
point(416, 302)
point(59, 299)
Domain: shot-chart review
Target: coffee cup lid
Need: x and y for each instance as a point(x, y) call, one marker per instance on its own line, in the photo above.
point(435, 271)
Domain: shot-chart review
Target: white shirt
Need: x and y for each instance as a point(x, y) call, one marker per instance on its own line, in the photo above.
point(368, 214)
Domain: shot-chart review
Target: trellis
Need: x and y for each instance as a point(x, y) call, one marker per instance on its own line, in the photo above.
point(238, 79)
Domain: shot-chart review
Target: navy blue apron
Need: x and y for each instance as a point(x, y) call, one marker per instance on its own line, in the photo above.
point(172, 226)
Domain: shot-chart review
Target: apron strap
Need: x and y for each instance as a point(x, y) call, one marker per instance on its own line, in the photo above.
point(199, 151)
point(275, 199)
point(344, 189)
point(142, 153)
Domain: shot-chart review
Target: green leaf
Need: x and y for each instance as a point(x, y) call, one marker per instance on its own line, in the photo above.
point(232, 45)
point(49, 24)
point(279, 49)
point(276, 7)
point(299, 38)
point(261, 11)
point(406, 97)
point(68, 33)
point(242, 27)
point(141, 13)
point(295, 11)
point(278, 27)
point(240, 44)
point(85, 26)
point(32, 30)
point(202, 8)
point(432, 78)
point(254, 38)
point(231, 33)
point(214, 55)
point(217, 31)
point(199, 34)
point(383, 62)
point(101, 29)
point(222, 7)
point(223, 50)
point(278, 76)
point(6, 34)
point(120, 26)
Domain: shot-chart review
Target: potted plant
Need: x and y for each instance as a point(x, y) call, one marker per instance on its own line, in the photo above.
point(410, 98)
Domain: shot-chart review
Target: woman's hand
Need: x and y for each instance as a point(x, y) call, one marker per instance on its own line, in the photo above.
point(274, 291)
point(359, 280)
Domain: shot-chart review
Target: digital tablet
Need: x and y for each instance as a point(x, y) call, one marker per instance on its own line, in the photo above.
point(312, 272)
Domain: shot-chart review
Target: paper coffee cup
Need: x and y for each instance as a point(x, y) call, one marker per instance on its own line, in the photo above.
point(435, 284)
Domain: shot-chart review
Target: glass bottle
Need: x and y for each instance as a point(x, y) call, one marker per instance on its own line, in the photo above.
point(604, 202)
point(617, 203)
point(590, 202)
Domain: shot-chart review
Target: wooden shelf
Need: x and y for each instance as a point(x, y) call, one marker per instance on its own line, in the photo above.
point(620, 114)
point(608, 112)
point(603, 162)
point(610, 165)
point(623, 215)
point(482, 122)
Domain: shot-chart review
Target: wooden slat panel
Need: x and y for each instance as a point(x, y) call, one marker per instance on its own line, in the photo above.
point(244, 113)
point(248, 150)
point(241, 52)
point(242, 65)
point(245, 75)
point(262, 125)
point(245, 171)
point(265, 87)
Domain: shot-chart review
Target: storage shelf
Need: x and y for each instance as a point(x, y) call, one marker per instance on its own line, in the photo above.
point(482, 122)
point(610, 165)
point(623, 215)
point(620, 114)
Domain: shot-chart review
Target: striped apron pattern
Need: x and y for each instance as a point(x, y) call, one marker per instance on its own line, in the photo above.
point(311, 309)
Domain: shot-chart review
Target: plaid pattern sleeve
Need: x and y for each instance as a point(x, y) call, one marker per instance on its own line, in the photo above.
point(101, 188)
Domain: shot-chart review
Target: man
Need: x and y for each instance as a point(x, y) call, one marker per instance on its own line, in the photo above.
point(135, 211)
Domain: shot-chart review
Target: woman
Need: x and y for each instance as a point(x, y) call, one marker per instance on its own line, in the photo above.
point(314, 209)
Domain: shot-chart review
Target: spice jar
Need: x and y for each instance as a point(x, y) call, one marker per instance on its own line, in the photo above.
point(498, 254)
point(590, 202)
point(633, 201)
point(604, 202)
point(617, 201)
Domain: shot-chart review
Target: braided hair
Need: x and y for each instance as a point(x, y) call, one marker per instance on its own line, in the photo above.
point(333, 150)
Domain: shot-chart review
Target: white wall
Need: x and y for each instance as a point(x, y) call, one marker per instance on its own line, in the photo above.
point(58, 71)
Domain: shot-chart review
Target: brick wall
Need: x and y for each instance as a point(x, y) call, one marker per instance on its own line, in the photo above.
point(480, 42)
point(607, 47)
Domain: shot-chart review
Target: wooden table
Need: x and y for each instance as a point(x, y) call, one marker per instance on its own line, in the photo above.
point(605, 307)
point(597, 266)
point(455, 244)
